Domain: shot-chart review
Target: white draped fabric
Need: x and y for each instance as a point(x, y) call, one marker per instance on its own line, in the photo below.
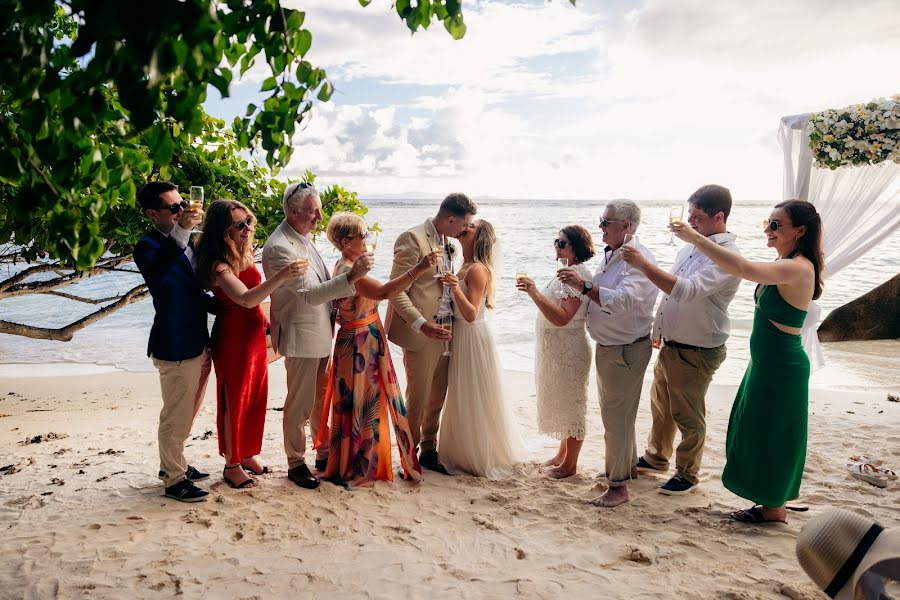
point(859, 207)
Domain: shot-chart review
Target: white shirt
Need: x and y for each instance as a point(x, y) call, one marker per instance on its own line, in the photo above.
point(625, 312)
point(182, 236)
point(696, 312)
point(445, 306)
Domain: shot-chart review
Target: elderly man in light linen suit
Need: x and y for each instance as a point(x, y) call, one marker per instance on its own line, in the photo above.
point(411, 323)
point(302, 322)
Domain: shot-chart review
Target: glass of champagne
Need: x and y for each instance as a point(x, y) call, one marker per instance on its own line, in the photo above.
point(562, 263)
point(371, 241)
point(630, 241)
point(447, 325)
point(438, 248)
point(303, 262)
point(196, 202)
point(676, 213)
point(520, 274)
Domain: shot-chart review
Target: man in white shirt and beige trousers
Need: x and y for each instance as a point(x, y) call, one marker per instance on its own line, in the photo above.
point(690, 329)
point(619, 317)
point(302, 322)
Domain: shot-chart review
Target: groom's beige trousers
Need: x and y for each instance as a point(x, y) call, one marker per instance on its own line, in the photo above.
point(426, 387)
point(307, 379)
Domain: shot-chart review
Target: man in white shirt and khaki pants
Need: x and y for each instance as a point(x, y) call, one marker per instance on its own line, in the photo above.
point(690, 329)
point(619, 317)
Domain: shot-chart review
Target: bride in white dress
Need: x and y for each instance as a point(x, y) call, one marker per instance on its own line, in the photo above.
point(478, 432)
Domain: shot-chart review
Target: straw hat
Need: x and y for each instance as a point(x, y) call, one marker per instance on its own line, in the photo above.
point(837, 547)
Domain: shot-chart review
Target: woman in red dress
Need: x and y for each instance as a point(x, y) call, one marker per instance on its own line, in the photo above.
point(238, 341)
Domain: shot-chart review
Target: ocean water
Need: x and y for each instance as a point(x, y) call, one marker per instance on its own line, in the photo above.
point(526, 229)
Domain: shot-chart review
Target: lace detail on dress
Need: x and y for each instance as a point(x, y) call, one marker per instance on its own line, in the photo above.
point(562, 364)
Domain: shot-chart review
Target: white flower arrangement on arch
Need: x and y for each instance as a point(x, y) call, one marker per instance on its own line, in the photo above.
point(861, 134)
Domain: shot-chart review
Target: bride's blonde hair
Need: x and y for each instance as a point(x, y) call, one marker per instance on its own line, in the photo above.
point(483, 252)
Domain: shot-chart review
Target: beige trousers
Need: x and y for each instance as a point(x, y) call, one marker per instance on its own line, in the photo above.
point(426, 389)
point(307, 379)
point(182, 386)
point(620, 377)
point(681, 379)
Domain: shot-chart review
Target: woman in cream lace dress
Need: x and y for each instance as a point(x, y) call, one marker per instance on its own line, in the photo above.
point(562, 357)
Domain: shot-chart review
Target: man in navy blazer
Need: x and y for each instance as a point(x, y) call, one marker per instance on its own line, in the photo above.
point(179, 336)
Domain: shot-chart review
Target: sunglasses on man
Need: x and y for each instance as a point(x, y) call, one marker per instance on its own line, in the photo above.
point(604, 222)
point(242, 225)
point(175, 208)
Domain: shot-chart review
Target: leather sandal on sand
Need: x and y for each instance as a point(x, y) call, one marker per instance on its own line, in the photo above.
point(868, 473)
point(264, 471)
point(753, 515)
point(247, 483)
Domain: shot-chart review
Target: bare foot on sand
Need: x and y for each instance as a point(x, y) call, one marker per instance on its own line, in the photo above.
point(614, 496)
point(562, 471)
point(555, 461)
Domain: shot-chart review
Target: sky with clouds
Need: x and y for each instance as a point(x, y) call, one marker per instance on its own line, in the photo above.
point(646, 99)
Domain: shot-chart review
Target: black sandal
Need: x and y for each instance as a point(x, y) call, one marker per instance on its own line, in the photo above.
point(265, 471)
point(752, 515)
point(247, 483)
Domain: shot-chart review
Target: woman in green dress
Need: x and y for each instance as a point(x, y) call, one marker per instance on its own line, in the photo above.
point(766, 443)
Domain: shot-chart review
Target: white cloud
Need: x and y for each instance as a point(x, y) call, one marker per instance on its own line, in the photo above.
point(650, 102)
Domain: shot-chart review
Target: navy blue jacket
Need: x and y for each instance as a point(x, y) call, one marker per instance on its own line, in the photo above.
point(179, 329)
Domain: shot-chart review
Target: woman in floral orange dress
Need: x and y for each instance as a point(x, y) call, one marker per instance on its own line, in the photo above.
point(362, 388)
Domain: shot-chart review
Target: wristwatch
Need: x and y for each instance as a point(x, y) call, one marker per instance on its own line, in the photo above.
point(588, 285)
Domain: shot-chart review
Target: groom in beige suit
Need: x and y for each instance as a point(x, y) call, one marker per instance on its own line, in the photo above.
point(302, 322)
point(411, 324)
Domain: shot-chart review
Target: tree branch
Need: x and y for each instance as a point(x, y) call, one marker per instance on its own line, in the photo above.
point(10, 282)
point(82, 298)
point(65, 334)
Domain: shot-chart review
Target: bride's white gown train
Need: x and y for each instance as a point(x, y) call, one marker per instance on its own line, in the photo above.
point(478, 432)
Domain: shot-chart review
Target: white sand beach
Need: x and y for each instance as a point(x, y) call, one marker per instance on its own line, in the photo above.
point(82, 514)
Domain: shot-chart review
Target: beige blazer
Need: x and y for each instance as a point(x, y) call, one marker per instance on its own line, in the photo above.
point(422, 298)
point(302, 324)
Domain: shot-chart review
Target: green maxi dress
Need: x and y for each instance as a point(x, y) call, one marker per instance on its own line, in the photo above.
point(765, 448)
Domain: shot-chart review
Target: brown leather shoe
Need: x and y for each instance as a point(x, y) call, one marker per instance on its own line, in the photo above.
point(302, 477)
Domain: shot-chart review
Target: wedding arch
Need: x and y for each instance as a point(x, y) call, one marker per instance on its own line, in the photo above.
point(846, 162)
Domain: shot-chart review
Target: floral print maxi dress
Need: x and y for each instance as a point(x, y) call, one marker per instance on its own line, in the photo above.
point(362, 391)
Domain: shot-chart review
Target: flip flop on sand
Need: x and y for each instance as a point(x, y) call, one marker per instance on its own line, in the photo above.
point(753, 515)
point(868, 473)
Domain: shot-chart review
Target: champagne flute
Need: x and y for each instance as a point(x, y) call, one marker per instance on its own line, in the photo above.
point(447, 325)
point(520, 274)
point(371, 241)
point(562, 263)
point(303, 262)
point(631, 240)
point(438, 248)
point(196, 202)
point(676, 213)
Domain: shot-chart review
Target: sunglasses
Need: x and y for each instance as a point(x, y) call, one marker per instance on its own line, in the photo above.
point(242, 225)
point(302, 186)
point(604, 222)
point(773, 224)
point(175, 208)
point(561, 244)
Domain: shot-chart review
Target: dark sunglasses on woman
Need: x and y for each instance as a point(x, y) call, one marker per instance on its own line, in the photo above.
point(773, 224)
point(242, 225)
point(561, 244)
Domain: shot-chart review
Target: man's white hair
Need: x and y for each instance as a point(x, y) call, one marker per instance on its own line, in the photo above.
point(296, 197)
point(627, 210)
